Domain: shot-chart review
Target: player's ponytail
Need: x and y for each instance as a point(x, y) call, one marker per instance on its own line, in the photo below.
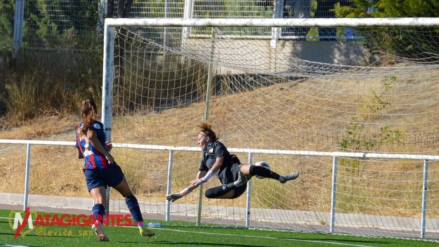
point(207, 131)
point(88, 114)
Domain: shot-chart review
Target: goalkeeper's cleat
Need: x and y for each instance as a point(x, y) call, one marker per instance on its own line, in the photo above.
point(100, 234)
point(288, 177)
point(144, 232)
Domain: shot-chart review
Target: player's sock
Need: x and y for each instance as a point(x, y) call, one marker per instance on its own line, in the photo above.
point(98, 212)
point(216, 192)
point(140, 224)
point(263, 172)
point(134, 208)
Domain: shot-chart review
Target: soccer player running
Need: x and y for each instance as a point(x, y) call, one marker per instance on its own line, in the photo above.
point(101, 170)
point(233, 175)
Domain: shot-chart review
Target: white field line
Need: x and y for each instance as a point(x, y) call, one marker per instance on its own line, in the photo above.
point(273, 238)
point(11, 245)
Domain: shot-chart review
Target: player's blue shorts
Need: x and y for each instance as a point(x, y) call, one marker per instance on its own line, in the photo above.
point(110, 176)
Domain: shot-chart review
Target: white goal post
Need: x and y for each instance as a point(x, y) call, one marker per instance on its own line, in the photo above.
point(369, 104)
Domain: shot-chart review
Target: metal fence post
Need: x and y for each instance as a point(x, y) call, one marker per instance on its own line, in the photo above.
point(424, 198)
point(169, 188)
point(249, 191)
point(333, 195)
point(26, 178)
point(18, 25)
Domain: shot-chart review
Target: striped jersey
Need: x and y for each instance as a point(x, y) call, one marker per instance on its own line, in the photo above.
point(93, 159)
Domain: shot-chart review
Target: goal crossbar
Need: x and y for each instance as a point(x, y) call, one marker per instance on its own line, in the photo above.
point(298, 22)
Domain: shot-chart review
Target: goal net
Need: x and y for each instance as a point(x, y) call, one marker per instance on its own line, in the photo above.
point(293, 102)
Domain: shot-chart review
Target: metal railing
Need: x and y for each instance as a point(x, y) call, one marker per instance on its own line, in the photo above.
point(250, 152)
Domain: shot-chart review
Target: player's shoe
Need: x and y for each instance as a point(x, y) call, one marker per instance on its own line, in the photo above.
point(289, 177)
point(100, 234)
point(146, 233)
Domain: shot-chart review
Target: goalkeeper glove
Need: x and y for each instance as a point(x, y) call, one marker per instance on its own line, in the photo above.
point(176, 196)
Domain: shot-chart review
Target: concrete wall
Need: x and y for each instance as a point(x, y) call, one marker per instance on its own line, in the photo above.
point(257, 56)
point(331, 52)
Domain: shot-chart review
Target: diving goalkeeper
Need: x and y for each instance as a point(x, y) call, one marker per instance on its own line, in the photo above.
point(230, 171)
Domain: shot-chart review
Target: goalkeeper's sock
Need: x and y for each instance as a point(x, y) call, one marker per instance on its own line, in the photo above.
point(216, 192)
point(263, 172)
point(134, 208)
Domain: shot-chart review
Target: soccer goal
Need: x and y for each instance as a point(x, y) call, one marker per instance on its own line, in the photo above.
point(355, 114)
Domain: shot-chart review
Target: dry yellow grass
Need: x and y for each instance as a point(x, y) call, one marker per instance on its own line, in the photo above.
point(55, 170)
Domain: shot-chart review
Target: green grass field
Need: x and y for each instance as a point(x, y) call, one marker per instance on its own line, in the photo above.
point(183, 236)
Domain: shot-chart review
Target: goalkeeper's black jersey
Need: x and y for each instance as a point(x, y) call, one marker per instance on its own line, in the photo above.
point(214, 150)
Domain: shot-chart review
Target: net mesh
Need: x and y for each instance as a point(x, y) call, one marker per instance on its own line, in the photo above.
point(374, 94)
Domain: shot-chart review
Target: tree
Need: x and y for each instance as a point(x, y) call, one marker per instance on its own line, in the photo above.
point(50, 23)
point(389, 8)
point(417, 43)
point(6, 22)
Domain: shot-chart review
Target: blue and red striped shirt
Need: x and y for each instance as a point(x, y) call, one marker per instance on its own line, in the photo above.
point(93, 159)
